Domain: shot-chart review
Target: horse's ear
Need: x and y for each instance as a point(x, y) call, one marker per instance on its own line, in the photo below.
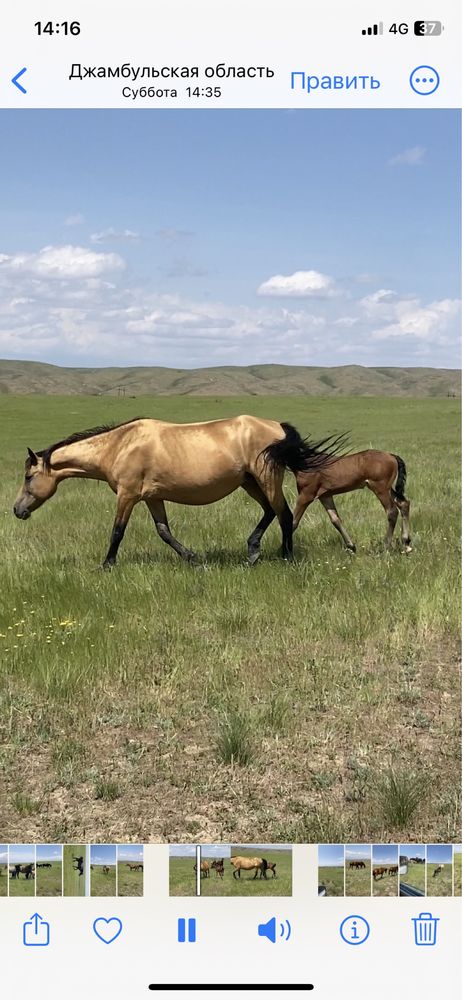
point(32, 456)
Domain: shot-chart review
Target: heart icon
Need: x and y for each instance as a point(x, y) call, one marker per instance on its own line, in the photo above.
point(107, 929)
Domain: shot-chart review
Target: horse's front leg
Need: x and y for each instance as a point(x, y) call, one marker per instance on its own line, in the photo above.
point(159, 515)
point(328, 503)
point(125, 506)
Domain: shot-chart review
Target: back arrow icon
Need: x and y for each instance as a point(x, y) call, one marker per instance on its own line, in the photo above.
point(16, 78)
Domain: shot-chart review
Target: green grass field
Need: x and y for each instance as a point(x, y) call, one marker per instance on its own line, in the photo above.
point(128, 883)
point(457, 872)
point(73, 882)
point(332, 876)
point(102, 884)
point(415, 876)
point(246, 885)
point(49, 880)
point(3, 873)
point(127, 698)
point(386, 886)
point(358, 880)
point(182, 877)
point(439, 885)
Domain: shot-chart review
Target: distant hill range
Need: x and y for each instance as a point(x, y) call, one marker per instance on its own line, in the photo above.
point(27, 377)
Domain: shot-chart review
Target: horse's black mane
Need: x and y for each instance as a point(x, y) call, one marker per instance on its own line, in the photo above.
point(46, 453)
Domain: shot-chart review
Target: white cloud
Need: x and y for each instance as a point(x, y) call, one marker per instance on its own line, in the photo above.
point(110, 235)
point(432, 322)
point(301, 285)
point(66, 262)
point(412, 157)
point(74, 305)
point(74, 220)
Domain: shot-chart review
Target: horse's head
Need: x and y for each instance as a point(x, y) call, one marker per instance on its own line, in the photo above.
point(39, 485)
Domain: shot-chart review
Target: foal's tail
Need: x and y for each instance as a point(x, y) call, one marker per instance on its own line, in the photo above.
point(300, 454)
point(398, 490)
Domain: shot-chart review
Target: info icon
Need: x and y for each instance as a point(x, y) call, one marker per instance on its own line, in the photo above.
point(354, 929)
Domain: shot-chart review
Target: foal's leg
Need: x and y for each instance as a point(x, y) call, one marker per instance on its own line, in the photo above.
point(158, 512)
point(255, 491)
point(305, 498)
point(404, 509)
point(328, 503)
point(125, 505)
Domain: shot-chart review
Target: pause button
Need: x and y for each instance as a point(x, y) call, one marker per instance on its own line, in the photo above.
point(187, 929)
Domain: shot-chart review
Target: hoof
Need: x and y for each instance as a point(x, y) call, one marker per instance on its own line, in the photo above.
point(190, 557)
point(107, 566)
point(351, 549)
point(253, 557)
point(407, 550)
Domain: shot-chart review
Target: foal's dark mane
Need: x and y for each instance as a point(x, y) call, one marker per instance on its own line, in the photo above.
point(46, 453)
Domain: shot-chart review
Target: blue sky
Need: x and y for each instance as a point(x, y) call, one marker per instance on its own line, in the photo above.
point(103, 854)
point(130, 852)
point(385, 854)
point(330, 855)
point(236, 237)
point(21, 854)
point(358, 852)
point(412, 850)
point(439, 854)
point(182, 851)
point(49, 852)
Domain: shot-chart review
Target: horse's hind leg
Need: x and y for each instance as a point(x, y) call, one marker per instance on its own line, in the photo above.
point(255, 491)
point(272, 488)
point(384, 494)
point(159, 515)
point(329, 505)
point(404, 509)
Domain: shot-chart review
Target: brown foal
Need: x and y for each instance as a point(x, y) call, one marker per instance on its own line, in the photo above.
point(378, 470)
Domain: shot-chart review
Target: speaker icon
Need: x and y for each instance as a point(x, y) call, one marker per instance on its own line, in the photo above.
point(270, 930)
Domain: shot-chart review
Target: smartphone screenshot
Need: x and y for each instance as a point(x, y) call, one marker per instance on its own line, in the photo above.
point(230, 327)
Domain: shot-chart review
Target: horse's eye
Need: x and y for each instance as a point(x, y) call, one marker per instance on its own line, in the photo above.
point(28, 479)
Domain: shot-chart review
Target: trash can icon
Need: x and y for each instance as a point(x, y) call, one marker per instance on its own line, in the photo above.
point(425, 929)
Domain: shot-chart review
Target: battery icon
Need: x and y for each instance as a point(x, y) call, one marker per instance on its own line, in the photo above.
point(426, 28)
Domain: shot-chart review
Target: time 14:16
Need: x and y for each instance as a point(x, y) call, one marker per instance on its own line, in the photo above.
point(51, 28)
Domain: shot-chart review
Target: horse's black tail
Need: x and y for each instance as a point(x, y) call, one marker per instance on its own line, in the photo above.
point(398, 489)
point(300, 454)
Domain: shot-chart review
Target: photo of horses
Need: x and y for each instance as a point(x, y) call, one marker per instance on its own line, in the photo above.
point(358, 870)
point(331, 869)
point(4, 870)
point(413, 858)
point(231, 870)
point(385, 866)
point(182, 869)
point(21, 864)
point(130, 870)
point(250, 870)
point(439, 870)
point(75, 860)
point(230, 442)
point(49, 870)
point(457, 862)
point(103, 870)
